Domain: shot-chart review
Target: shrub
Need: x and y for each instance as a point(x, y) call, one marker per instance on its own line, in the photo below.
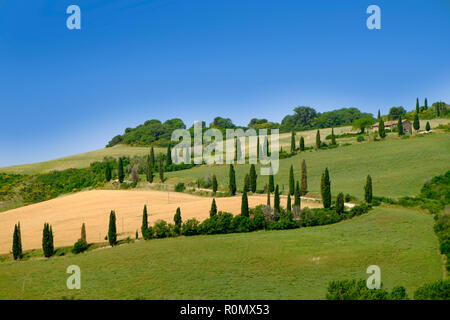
point(241, 223)
point(360, 139)
point(439, 290)
point(162, 229)
point(190, 227)
point(80, 246)
point(180, 187)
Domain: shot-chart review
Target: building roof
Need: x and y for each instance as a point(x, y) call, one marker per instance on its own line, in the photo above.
point(390, 123)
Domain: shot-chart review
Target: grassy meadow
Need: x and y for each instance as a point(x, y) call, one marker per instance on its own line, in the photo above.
point(398, 167)
point(290, 264)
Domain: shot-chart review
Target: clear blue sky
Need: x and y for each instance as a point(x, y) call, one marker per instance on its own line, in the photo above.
point(68, 91)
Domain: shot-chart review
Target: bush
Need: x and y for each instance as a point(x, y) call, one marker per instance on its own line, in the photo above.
point(180, 187)
point(354, 290)
point(439, 290)
point(80, 246)
point(360, 139)
point(162, 229)
point(241, 223)
point(190, 227)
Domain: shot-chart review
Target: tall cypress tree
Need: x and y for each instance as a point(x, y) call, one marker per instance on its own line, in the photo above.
point(232, 182)
point(333, 137)
point(121, 173)
point(368, 189)
point(400, 126)
point(381, 130)
point(276, 200)
point(161, 169)
point(288, 205)
point(292, 141)
point(177, 220)
point(297, 198)
point(340, 203)
point(302, 144)
point(271, 183)
point(268, 197)
point(257, 148)
point(247, 183)
point(47, 241)
point(253, 178)
point(244, 205)
point(326, 189)
point(416, 123)
point(304, 181)
point(417, 106)
point(112, 230)
point(144, 226)
point(318, 142)
point(213, 211)
point(152, 157)
point(426, 104)
point(108, 173)
point(379, 115)
point(214, 183)
point(17, 242)
point(83, 232)
point(169, 156)
point(291, 181)
point(149, 169)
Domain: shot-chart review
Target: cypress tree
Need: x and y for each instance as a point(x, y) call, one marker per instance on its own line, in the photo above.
point(302, 144)
point(232, 182)
point(213, 211)
point(271, 183)
point(426, 104)
point(416, 123)
point(47, 241)
point(169, 156)
point(177, 220)
point(144, 226)
point(368, 189)
point(292, 141)
point(427, 126)
point(161, 169)
point(326, 189)
point(417, 106)
point(257, 148)
point(17, 242)
point(108, 174)
point(297, 195)
point(253, 178)
point(291, 181)
point(83, 232)
point(112, 231)
point(318, 142)
point(276, 200)
point(247, 183)
point(381, 130)
point(214, 183)
point(268, 197)
point(333, 137)
point(400, 126)
point(266, 146)
point(379, 115)
point(244, 205)
point(121, 173)
point(152, 157)
point(340, 203)
point(304, 181)
point(149, 170)
point(288, 205)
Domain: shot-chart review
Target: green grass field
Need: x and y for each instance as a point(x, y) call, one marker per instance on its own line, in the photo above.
point(398, 167)
point(291, 264)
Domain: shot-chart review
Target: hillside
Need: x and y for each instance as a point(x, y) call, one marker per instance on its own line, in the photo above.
point(291, 264)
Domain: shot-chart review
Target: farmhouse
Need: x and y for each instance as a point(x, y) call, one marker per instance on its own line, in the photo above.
point(392, 124)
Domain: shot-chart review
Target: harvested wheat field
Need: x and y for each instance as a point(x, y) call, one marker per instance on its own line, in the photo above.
point(67, 213)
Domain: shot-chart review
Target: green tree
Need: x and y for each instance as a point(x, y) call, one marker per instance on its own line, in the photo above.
point(318, 142)
point(244, 205)
point(83, 232)
point(214, 183)
point(232, 182)
point(144, 226)
point(112, 230)
point(213, 211)
point(169, 156)
point(149, 169)
point(47, 241)
point(177, 220)
point(288, 205)
point(368, 189)
point(362, 123)
point(379, 115)
point(276, 199)
point(271, 182)
point(381, 130)
point(333, 137)
point(108, 174)
point(417, 106)
point(297, 198)
point(121, 173)
point(400, 126)
point(161, 169)
point(253, 178)
point(427, 126)
point(247, 183)
point(340, 203)
point(152, 157)
point(304, 180)
point(302, 144)
point(416, 123)
point(325, 188)
point(292, 141)
point(268, 197)
point(291, 181)
point(426, 104)
point(17, 242)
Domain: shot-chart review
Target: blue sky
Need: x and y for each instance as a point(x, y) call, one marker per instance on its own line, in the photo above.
point(68, 91)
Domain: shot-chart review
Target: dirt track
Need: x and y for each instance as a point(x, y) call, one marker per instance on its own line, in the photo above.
point(67, 213)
